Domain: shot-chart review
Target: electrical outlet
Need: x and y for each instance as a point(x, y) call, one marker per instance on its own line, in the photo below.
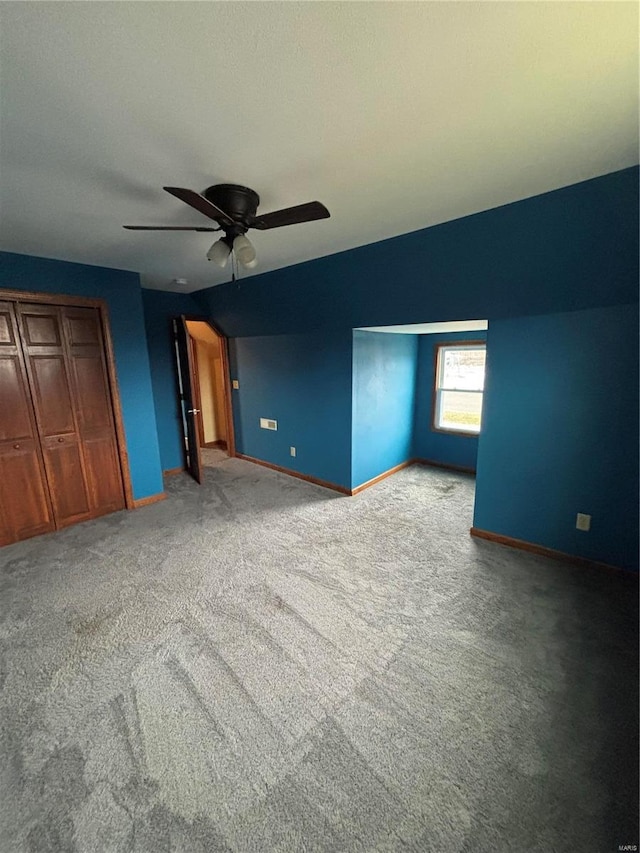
point(583, 522)
point(292, 451)
point(235, 384)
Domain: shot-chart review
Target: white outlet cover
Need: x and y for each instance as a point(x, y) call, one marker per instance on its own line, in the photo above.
point(583, 521)
point(292, 451)
point(235, 384)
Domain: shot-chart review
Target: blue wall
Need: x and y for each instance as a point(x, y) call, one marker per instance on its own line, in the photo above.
point(571, 250)
point(565, 250)
point(384, 384)
point(122, 292)
point(560, 433)
point(555, 275)
point(159, 310)
point(447, 448)
point(303, 382)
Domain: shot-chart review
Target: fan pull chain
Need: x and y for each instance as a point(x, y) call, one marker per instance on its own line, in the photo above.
point(235, 270)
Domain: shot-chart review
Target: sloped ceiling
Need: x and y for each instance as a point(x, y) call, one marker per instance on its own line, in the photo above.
point(202, 332)
point(429, 328)
point(396, 115)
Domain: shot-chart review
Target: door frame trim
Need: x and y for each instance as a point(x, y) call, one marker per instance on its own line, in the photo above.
point(226, 379)
point(103, 313)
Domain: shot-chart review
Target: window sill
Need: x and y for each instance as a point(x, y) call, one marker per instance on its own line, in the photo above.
point(459, 432)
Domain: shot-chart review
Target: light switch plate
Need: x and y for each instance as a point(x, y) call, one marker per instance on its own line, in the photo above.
point(235, 384)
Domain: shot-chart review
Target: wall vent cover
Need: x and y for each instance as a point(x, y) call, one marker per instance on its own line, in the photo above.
point(267, 423)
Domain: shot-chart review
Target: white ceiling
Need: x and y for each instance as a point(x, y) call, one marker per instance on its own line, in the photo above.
point(395, 115)
point(430, 328)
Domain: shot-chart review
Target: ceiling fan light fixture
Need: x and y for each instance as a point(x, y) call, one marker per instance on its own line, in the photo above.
point(244, 251)
point(234, 210)
point(219, 253)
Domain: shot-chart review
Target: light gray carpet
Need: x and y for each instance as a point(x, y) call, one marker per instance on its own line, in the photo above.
point(258, 664)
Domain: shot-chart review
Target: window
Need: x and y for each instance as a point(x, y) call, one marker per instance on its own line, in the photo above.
point(459, 384)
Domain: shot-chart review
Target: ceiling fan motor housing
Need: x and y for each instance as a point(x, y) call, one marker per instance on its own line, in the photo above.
point(240, 203)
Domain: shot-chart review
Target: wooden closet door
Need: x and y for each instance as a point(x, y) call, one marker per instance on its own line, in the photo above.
point(25, 509)
point(93, 408)
point(43, 342)
point(66, 362)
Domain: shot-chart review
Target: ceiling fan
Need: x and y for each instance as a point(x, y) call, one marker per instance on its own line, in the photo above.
point(234, 208)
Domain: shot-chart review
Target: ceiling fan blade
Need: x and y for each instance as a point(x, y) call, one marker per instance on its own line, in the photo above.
point(167, 228)
point(290, 216)
point(200, 203)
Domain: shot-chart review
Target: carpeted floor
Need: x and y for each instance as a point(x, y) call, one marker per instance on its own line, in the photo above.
point(258, 664)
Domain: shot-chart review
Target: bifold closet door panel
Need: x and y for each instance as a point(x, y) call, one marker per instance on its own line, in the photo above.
point(25, 509)
point(44, 348)
point(93, 408)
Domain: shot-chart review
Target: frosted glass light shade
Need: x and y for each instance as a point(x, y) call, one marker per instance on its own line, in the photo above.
point(245, 252)
point(219, 253)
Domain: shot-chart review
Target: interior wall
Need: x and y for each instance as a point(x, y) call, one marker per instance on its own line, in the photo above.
point(211, 390)
point(204, 356)
point(217, 387)
point(160, 308)
point(445, 448)
point(574, 249)
point(304, 383)
point(122, 293)
point(384, 385)
point(570, 249)
point(560, 433)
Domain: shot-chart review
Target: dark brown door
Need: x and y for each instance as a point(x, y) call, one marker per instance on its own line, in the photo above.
point(65, 362)
point(187, 398)
point(93, 409)
point(25, 509)
point(42, 339)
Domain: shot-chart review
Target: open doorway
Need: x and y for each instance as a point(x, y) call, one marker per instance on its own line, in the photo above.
point(418, 395)
point(205, 396)
point(206, 352)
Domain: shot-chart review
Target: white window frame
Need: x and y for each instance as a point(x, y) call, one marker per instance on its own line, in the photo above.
point(438, 387)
